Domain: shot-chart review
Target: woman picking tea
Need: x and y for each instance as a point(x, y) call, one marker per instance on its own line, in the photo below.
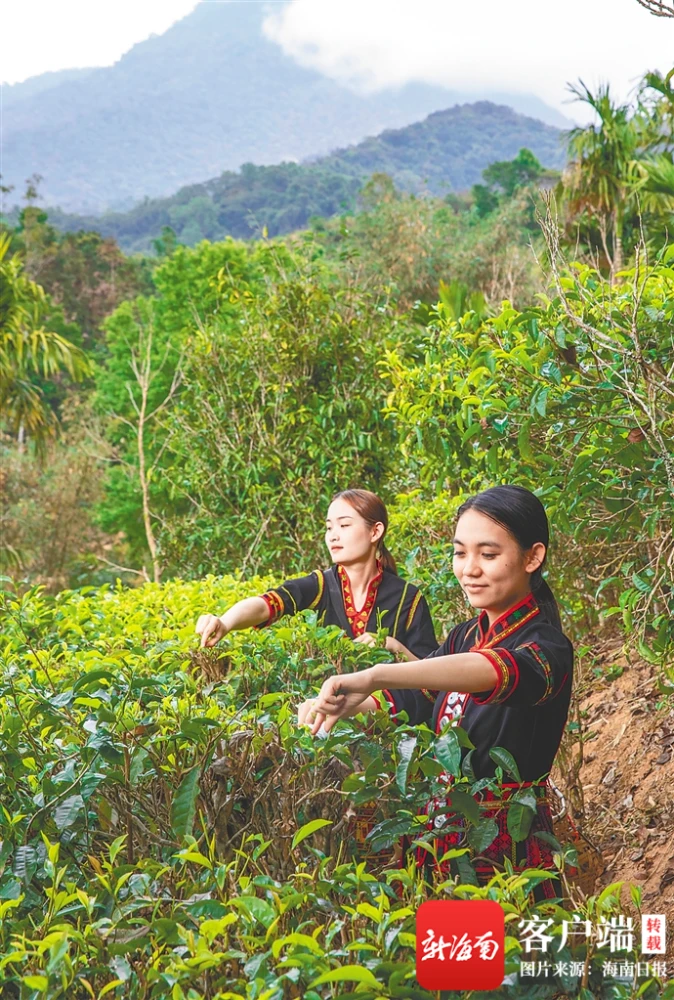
point(504, 675)
point(361, 591)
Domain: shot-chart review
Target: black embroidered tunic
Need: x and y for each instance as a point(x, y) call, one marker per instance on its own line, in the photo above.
point(525, 713)
point(527, 709)
point(391, 603)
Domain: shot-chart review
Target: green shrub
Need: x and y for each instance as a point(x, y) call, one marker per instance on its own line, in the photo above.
point(114, 880)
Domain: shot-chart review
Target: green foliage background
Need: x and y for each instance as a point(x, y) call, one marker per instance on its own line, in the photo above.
point(167, 829)
point(120, 878)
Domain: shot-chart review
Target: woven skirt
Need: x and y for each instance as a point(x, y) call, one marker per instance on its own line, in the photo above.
point(532, 852)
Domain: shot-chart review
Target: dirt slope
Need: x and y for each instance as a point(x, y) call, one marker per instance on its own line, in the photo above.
point(620, 784)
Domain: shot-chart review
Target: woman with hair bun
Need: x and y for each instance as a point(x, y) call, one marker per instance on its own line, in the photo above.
point(361, 591)
point(504, 675)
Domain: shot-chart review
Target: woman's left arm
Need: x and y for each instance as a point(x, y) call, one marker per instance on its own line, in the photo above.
point(468, 672)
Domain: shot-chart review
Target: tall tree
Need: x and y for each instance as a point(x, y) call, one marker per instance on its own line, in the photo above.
point(657, 99)
point(653, 172)
point(29, 351)
point(509, 175)
point(87, 275)
point(139, 381)
point(597, 185)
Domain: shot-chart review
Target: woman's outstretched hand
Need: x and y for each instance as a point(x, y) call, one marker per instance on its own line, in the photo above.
point(211, 629)
point(304, 712)
point(339, 698)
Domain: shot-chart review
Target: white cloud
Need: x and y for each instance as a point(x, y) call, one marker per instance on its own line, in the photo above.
point(522, 46)
point(517, 46)
point(42, 35)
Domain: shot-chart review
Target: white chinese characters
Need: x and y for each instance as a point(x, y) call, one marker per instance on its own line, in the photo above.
point(616, 934)
point(459, 949)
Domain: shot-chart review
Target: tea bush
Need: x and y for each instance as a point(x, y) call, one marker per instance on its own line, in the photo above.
point(169, 832)
point(572, 398)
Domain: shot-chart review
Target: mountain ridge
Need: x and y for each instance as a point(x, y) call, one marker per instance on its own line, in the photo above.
point(446, 152)
point(207, 95)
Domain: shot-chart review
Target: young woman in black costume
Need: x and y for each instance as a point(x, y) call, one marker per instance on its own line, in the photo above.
point(361, 591)
point(504, 675)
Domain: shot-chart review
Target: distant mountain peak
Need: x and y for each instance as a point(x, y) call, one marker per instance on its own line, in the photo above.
point(210, 93)
point(446, 152)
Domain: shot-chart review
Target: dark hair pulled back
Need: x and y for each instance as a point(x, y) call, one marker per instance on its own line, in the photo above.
point(372, 510)
point(523, 516)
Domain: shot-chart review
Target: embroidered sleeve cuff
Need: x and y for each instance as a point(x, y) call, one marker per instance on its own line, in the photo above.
point(275, 606)
point(507, 676)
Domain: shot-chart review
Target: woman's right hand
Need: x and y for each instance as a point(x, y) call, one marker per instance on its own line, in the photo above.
point(339, 697)
point(211, 629)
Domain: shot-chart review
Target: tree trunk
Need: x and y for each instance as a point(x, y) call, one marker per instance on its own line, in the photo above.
point(617, 246)
point(145, 489)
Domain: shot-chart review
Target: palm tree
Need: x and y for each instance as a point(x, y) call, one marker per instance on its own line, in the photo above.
point(597, 185)
point(28, 350)
point(654, 189)
point(657, 99)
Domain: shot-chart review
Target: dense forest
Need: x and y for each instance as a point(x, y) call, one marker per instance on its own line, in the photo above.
point(173, 428)
point(444, 154)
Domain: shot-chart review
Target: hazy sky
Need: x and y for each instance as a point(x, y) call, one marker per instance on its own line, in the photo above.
point(518, 45)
